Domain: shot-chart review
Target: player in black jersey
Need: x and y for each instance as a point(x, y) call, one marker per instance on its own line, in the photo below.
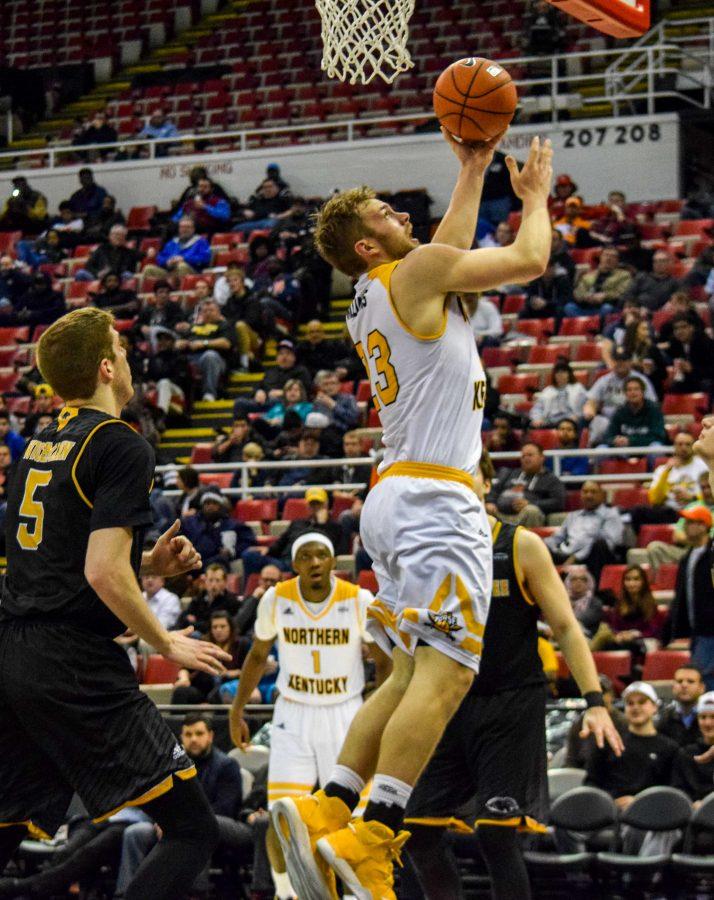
point(73, 717)
point(489, 771)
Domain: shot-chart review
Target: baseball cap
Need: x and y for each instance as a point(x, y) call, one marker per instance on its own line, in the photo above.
point(312, 537)
point(316, 420)
point(316, 495)
point(286, 344)
point(698, 514)
point(564, 179)
point(641, 687)
point(706, 703)
point(214, 496)
point(43, 390)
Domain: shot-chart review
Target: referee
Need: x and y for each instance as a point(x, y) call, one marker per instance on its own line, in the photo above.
point(73, 717)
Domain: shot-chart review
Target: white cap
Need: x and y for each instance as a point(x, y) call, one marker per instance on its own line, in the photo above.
point(706, 702)
point(641, 687)
point(312, 537)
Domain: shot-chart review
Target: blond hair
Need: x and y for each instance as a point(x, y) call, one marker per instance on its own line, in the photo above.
point(340, 226)
point(70, 352)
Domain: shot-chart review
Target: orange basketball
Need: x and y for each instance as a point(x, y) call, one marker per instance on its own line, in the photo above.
point(475, 99)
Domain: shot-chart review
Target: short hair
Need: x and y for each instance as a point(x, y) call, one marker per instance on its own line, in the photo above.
point(295, 382)
point(539, 447)
point(71, 350)
point(637, 380)
point(488, 470)
point(567, 419)
point(189, 476)
point(308, 434)
point(85, 171)
point(690, 667)
point(216, 567)
point(195, 718)
point(339, 226)
point(65, 204)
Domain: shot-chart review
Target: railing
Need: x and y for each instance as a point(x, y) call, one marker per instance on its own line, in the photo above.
point(552, 88)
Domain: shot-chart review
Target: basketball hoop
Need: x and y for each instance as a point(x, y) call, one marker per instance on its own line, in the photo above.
point(365, 38)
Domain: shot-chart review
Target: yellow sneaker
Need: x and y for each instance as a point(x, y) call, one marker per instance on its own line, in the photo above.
point(299, 824)
point(363, 856)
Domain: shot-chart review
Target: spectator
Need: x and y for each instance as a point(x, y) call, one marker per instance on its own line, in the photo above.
point(268, 577)
point(502, 237)
point(692, 612)
point(183, 255)
point(188, 483)
point(678, 719)
point(205, 207)
point(634, 618)
point(485, 320)
point(690, 774)
point(679, 304)
point(113, 256)
point(560, 255)
point(614, 227)
point(252, 325)
point(221, 287)
point(229, 447)
point(97, 131)
point(543, 29)
point(568, 440)
point(212, 531)
point(193, 687)
point(503, 438)
point(653, 289)
point(272, 171)
point(295, 227)
point(252, 453)
point(265, 209)
point(308, 448)
point(164, 604)
point(548, 295)
point(10, 438)
point(497, 197)
point(614, 335)
point(120, 302)
point(13, 281)
point(633, 255)
point(587, 606)
point(525, 496)
point(317, 352)
point(600, 290)
point(209, 344)
point(168, 371)
point(563, 189)
point(194, 176)
point(41, 406)
point(25, 209)
point(162, 312)
point(572, 226)
point(214, 597)
point(564, 398)
point(88, 199)
point(659, 552)
point(608, 394)
point(100, 225)
point(46, 250)
point(340, 408)
point(294, 399)
point(350, 473)
point(271, 387)
point(701, 272)
point(692, 353)
point(638, 422)
point(41, 304)
point(159, 127)
point(639, 342)
point(648, 756)
point(590, 535)
point(68, 223)
point(579, 751)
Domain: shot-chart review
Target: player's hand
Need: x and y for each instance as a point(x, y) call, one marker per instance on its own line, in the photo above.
point(597, 722)
point(533, 181)
point(240, 733)
point(190, 653)
point(174, 554)
point(476, 156)
point(706, 757)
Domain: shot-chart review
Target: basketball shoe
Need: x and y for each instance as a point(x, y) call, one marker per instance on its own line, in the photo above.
point(300, 823)
point(363, 856)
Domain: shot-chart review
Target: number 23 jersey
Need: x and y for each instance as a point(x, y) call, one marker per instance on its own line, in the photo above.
point(430, 391)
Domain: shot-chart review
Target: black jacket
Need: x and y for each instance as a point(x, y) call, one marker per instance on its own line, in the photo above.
point(114, 259)
point(222, 782)
point(692, 777)
point(703, 598)
point(670, 724)
point(276, 378)
point(544, 490)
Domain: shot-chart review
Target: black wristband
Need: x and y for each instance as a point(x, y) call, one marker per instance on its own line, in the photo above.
point(594, 698)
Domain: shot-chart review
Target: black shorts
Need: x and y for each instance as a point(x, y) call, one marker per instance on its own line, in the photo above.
point(74, 720)
point(493, 747)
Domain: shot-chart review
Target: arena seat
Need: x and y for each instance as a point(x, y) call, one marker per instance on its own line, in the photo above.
point(573, 501)
point(616, 664)
point(513, 304)
point(256, 510)
point(8, 239)
point(660, 665)
point(159, 670)
point(542, 354)
point(364, 392)
point(10, 336)
point(649, 533)
point(626, 498)
point(8, 380)
point(611, 578)
point(696, 405)
point(139, 218)
point(201, 453)
point(665, 579)
point(623, 466)
point(588, 351)
point(546, 437)
point(296, 508)
point(518, 384)
point(496, 356)
point(579, 325)
point(368, 580)
point(220, 479)
point(373, 420)
point(539, 329)
point(697, 227)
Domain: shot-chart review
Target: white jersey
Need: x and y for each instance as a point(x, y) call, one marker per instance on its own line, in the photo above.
point(430, 391)
point(319, 645)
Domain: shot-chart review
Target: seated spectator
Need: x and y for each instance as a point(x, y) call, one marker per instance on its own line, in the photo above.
point(99, 226)
point(572, 226)
point(221, 288)
point(485, 320)
point(87, 200)
point(168, 372)
point(252, 453)
point(692, 354)
point(613, 335)
point(653, 289)
point(678, 719)
point(113, 256)
point(587, 606)
point(188, 483)
point(97, 131)
point(674, 485)
point(579, 751)
point(294, 229)
point(701, 272)
point(590, 535)
point(659, 552)
point(608, 394)
point(268, 577)
point(212, 531)
point(46, 250)
point(163, 603)
point(689, 773)
point(158, 127)
point(543, 29)
point(560, 256)
point(68, 223)
point(279, 292)
point(209, 343)
point(634, 618)
point(568, 440)
point(348, 473)
point(294, 398)
point(563, 189)
point(548, 295)
point(503, 438)
point(43, 405)
point(195, 175)
point(614, 227)
point(679, 304)
point(564, 398)
point(265, 209)
point(229, 447)
point(213, 597)
point(10, 438)
point(633, 255)
point(317, 352)
point(647, 758)
point(209, 211)
point(13, 281)
point(271, 387)
point(41, 304)
point(340, 408)
point(111, 296)
point(252, 323)
point(308, 448)
point(601, 290)
point(193, 687)
point(185, 254)
point(501, 237)
point(260, 250)
point(638, 422)
point(525, 496)
point(25, 209)
point(273, 172)
point(639, 342)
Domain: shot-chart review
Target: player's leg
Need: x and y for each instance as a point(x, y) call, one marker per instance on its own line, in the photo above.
point(501, 848)
point(431, 870)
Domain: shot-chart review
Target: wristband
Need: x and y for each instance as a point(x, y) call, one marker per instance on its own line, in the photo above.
point(594, 698)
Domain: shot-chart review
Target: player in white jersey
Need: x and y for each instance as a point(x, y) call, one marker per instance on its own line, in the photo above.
point(422, 524)
point(319, 625)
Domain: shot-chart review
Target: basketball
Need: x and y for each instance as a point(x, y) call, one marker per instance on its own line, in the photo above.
point(475, 99)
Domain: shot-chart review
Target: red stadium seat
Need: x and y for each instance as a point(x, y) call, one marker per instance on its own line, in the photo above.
point(623, 466)
point(540, 329)
point(611, 578)
point(296, 508)
point(496, 356)
point(139, 218)
point(256, 510)
point(588, 351)
point(78, 290)
point(340, 505)
point(616, 664)
point(219, 479)
point(546, 437)
point(660, 665)
point(513, 304)
point(8, 380)
point(649, 533)
point(626, 498)
point(666, 577)
point(580, 325)
point(160, 671)
point(8, 239)
point(518, 384)
point(238, 255)
point(10, 336)
point(368, 580)
point(685, 404)
point(201, 453)
point(573, 501)
point(373, 420)
point(694, 226)
point(547, 353)
point(364, 391)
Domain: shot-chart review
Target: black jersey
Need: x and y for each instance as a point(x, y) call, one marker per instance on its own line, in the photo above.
point(84, 472)
point(510, 645)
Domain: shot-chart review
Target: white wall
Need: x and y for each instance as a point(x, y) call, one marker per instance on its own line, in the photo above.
point(639, 155)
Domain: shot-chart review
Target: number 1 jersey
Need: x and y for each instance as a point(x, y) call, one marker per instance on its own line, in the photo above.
point(430, 391)
point(85, 472)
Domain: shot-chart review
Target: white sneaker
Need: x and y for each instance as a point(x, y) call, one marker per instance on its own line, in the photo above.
point(208, 398)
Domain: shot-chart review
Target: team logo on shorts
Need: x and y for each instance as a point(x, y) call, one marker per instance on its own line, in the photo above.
point(445, 622)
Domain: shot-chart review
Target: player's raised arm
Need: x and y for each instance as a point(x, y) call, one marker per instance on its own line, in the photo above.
point(548, 590)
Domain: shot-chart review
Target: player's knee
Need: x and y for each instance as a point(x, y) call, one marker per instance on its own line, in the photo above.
point(455, 684)
point(199, 827)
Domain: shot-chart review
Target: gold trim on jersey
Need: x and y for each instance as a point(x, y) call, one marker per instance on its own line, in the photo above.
point(379, 611)
point(429, 470)
point(342, 590)
point(446, 624)
point(66, 415)
point(450, 822)
point(527, 596)
point(496, 530)
point(384, 274)
point(157, 791)
point(34, 830)
point(524, 824)
point(84, 447)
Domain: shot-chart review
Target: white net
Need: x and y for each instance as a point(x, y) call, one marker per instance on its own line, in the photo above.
point(365, 38)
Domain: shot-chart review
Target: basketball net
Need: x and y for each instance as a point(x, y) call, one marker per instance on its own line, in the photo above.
point(365, 38)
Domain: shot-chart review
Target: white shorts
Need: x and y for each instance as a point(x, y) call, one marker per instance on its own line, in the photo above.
point(304, 744)
point(431, 549)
